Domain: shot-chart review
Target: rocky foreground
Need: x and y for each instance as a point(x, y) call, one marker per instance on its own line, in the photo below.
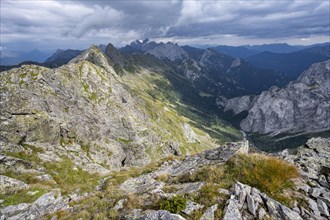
point(194, 187)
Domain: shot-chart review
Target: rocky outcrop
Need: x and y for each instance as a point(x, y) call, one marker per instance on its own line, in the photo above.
point(152, 215)
point(46, 204)
point(168, 51)
point(313, 160)
point(239, 104)
point(209, 157)
point(146, 183)
point(302, 106)
point(249, 203)
point(8, 184)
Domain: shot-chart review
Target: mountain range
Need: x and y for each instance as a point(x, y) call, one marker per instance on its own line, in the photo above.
point(159, 131)
point(291, 64)
point(8, 58)
point(199, 82)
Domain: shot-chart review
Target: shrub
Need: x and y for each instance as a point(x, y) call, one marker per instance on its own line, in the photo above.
point(174, 204)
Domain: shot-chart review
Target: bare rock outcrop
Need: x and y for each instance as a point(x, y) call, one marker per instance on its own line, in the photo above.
point(302, 106)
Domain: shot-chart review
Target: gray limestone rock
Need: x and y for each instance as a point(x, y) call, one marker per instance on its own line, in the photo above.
point(187, 188)
point(209, 213)
point(255, 194)
point(189, 133)
point(316, 192)
point(168, 51)
point(138, 214)
point(191, 207)
point(162, 215)
point(323, 207)
point(8, 184)
point(313, 205)
point(239, 104)
point(289, 214)
point(141, 184)
point(8, 163)
point(252, 206)
point(231, 211)
point(208, 157)
point(323, 181)
point(120, 204)
point(241, 191)
point(224, 191)
point(261, 213)
point(46, 204)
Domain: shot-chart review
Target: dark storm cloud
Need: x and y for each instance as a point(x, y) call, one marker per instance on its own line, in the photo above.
point(79, 23)
point(274, 19)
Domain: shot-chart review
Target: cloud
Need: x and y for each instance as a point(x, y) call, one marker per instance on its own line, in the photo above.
point(101, 18)
point(263, 19)
point(78, 23)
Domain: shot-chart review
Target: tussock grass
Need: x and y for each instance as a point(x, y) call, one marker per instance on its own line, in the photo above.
point(266, 173)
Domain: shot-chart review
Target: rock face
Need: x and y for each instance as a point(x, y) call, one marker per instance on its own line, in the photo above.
point(239, 104)
point(302, 106)
point(169, 51)
point(165, 51)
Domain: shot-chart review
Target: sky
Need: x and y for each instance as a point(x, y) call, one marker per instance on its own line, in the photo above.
point(76, 24)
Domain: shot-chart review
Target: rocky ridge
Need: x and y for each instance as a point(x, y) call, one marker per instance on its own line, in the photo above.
point(83, 111)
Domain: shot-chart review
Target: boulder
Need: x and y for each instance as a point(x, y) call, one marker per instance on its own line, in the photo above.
point(313, 206)
point(142, 184)
point(191, 207)
point(209, 213)
point(323, 208)
point(231, 211)
point(252, 206)
point(46, 204)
